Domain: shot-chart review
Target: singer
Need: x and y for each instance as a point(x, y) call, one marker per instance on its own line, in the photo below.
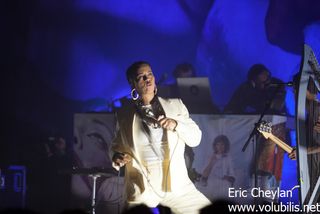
point(151, 136)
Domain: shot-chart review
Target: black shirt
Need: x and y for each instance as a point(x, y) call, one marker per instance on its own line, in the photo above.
point(249, 99)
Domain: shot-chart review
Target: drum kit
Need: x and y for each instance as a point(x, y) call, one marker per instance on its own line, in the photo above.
point(93, 173)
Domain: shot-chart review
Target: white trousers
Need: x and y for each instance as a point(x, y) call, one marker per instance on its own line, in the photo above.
point(186, 200)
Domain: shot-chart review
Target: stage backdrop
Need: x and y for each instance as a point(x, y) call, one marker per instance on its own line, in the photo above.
point(218, 164)
point(93, 133)
point(233, 168)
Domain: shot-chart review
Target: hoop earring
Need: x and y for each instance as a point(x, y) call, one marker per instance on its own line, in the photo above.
point(155, 90)
point(134, 94)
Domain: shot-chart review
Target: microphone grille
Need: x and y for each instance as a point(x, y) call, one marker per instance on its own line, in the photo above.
point(149, 112)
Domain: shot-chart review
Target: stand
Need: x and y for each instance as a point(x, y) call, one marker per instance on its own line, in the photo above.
point(94, 173)
point(93, 197)
point(266, 108)
point(254, 132)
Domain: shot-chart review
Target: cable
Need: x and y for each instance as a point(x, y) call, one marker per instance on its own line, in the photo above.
point(120, 199)
point(166, 177)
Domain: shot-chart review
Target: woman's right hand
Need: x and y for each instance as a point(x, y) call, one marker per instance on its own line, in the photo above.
point(293, 154)
point(121, 159)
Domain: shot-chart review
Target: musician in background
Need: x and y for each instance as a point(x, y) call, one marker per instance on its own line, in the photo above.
point(151, 136)
point(170, 89)
point(262, 93)
point(257, 92)
point(184, 70)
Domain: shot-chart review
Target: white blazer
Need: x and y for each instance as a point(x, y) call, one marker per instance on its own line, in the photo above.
point(186, 132)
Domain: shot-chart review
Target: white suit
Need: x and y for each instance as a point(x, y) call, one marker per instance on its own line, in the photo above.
point(168, 182)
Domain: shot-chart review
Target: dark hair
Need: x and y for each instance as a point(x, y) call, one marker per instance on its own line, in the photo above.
point(224, 139)
point(132, 70)
point(255, 70)
point(183, 67)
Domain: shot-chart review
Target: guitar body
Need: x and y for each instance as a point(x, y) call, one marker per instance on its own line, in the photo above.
point(270, 155)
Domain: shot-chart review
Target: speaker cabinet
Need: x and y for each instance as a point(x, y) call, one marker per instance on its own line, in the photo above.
point(12, 187)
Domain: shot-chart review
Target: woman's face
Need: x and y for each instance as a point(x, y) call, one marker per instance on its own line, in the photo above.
point(145, 81)
point(219, 147)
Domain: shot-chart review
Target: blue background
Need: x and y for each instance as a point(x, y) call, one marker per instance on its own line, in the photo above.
point(63, 57)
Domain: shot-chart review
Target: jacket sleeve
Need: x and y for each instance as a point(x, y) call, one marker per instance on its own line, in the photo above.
point(186, 128)
point(116, 140)
point(119, 142)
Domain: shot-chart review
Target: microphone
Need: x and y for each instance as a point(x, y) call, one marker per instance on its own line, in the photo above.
point(150, 114)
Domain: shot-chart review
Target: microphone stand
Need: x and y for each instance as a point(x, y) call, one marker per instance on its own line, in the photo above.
point(266, 108)
point(254, 132)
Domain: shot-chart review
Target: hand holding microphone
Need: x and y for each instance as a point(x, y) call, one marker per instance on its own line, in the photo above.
point(167, 123)
point(121, 159)
point(164, 122)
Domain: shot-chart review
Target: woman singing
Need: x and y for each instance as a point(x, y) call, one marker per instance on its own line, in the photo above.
point(151, 136)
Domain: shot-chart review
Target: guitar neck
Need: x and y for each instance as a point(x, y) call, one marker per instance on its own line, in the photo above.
point(281, 144)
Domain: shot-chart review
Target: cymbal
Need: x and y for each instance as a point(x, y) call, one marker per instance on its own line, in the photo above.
point(106, 172)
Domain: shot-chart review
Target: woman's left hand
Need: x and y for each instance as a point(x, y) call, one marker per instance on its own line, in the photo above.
point(167, 123)
point(293, 154)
